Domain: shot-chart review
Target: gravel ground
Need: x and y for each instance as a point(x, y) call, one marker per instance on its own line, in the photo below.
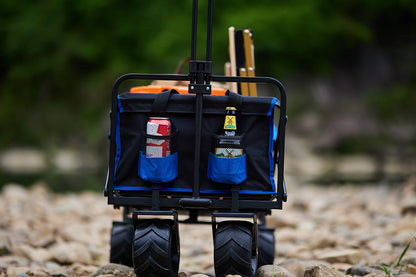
point(328, 230)
point(48, 234)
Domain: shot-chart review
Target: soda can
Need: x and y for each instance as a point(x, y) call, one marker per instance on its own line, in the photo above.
point(158, 126)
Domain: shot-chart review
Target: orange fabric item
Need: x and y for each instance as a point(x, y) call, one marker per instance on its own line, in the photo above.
point(180, 89)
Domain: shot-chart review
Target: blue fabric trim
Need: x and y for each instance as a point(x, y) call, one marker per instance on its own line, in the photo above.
point(271, 140)
point(118, 146)
point(125, 188)
point(271, 108)
point(275, 132)
point(158, 170)
point(227, 171)
point(207, 191)
point(120, 107)
point(118, 142)
point(278, 103)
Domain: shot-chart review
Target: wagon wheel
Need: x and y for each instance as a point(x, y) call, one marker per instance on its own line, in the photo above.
point(266, 242)
point(156, 248)
point(121, 242)
point(234, 251)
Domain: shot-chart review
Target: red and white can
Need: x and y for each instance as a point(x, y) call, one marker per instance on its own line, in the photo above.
point(158, 126)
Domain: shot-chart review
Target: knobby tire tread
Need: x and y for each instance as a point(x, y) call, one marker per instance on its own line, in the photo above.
point(121, 243)
point(233, 252)
point(266, 242)
point(155, 252)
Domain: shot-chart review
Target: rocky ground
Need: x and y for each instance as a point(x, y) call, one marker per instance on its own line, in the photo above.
point(354, 229)
point(331, 230)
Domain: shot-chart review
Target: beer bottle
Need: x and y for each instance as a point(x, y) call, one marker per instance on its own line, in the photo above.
point(228, 144)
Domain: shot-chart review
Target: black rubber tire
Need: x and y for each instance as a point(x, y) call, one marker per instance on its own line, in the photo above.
point(156, 248)
point(233, 249)
point(266, 243)
point(121, 243)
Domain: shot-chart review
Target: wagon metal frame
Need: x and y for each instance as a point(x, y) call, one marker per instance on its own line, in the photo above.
point(157, 203)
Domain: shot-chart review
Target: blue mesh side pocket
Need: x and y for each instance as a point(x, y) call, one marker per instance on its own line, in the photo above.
point(228, 171)
point(158, 170)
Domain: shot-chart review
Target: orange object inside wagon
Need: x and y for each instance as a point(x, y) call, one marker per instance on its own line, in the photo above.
point(180, 89)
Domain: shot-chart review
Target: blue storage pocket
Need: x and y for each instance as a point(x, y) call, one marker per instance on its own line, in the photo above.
point(228, 171)
point(158, 170)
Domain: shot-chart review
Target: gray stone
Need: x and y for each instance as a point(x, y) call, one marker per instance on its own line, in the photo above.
point(359, 270)
point(13, 271)
point(69, 253)
point(313, 263)
point(44, 242)
point(83, 270)
point(350, 256)
point(377, 266)
point(13, 261)
point(409, 259)
point(295, 267)
point(59, 274)
point(271, 271)
point(194, 251)
point(114, 269)
point(38, 273)
point(323, 240)
point(408, 207)
point(36, 254)
point(5, 246)
point(322, 271)
point(411, 269)
point(380, 244)
point(375, 274)
point(22, 275)
point(51, 266)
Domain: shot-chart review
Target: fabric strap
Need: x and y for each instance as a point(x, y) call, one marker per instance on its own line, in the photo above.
point(234, 99)
point(161, 101)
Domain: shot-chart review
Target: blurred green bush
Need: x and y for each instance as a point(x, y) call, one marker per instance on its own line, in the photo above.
point(60, 58)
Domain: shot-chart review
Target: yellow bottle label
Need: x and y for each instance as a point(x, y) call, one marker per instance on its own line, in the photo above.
point(230, 122)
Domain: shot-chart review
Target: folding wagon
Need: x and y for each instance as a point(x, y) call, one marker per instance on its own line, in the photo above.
point(236, 193)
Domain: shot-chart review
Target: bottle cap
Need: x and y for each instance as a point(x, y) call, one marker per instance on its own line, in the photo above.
point(230, 108)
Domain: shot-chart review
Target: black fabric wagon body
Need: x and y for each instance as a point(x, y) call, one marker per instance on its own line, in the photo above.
point(255, 124)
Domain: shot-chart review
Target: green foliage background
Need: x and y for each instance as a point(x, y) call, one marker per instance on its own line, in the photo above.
point(59, 58)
